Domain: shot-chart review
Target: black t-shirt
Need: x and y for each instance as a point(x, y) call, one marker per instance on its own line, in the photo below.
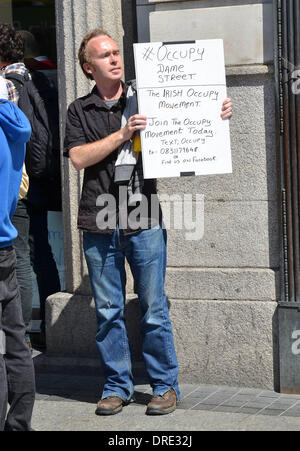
point(90, 119)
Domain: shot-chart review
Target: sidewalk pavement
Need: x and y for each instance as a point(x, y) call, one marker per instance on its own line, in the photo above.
point(66, 402)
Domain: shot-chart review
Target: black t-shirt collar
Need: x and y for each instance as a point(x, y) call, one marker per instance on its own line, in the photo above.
point(95, 98)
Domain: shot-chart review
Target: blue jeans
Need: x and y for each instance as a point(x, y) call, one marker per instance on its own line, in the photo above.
point(146, 254)
point(21, 244)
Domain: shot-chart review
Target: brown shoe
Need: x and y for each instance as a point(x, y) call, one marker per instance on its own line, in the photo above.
point(163, 404)
point(109, 406)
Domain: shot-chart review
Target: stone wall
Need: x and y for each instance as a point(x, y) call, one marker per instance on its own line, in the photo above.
point(222, 289)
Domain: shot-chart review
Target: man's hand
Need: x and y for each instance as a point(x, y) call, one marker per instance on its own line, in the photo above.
point(226, 109)
point(134, 123)
point(92, 153)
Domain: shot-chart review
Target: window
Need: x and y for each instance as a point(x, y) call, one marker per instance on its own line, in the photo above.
point(38, 17)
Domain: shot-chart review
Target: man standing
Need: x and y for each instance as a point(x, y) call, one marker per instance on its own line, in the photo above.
point(95, 132)
point(17, 384)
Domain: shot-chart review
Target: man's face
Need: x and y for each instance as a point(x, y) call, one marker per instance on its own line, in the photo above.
point(104, 60)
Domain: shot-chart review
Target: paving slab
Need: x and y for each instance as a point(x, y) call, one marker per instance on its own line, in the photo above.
point(66, 402)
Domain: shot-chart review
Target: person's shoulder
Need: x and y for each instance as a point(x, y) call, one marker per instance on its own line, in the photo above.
point(16, 68)
point(80, 101)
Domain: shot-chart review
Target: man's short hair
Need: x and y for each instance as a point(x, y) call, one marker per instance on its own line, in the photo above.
point(82, 56)
point(11, 44)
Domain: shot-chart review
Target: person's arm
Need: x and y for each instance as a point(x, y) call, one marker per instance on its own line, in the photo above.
point(89, 154)
point(226, 109)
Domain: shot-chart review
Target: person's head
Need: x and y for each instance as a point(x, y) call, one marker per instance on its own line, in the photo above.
point(11, 44)
point(31, 47)
point(99, 57)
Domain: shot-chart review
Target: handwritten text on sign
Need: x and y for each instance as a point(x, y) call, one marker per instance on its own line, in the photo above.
point(181, 88)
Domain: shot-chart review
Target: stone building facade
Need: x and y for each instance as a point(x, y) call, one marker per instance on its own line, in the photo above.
point(222, 289)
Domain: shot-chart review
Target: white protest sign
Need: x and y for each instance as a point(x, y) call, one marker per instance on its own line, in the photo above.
point(181, 88)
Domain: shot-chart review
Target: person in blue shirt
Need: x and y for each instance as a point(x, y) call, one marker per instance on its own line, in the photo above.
point(17, 379)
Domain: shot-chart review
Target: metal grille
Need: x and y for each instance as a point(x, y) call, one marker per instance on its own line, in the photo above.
point(287, 72)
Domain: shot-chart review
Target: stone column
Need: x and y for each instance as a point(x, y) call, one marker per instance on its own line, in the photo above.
point(74, 19)
point(74, 308)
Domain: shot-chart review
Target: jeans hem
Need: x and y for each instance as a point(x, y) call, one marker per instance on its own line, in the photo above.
point(119, 395)
point(161, 392)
